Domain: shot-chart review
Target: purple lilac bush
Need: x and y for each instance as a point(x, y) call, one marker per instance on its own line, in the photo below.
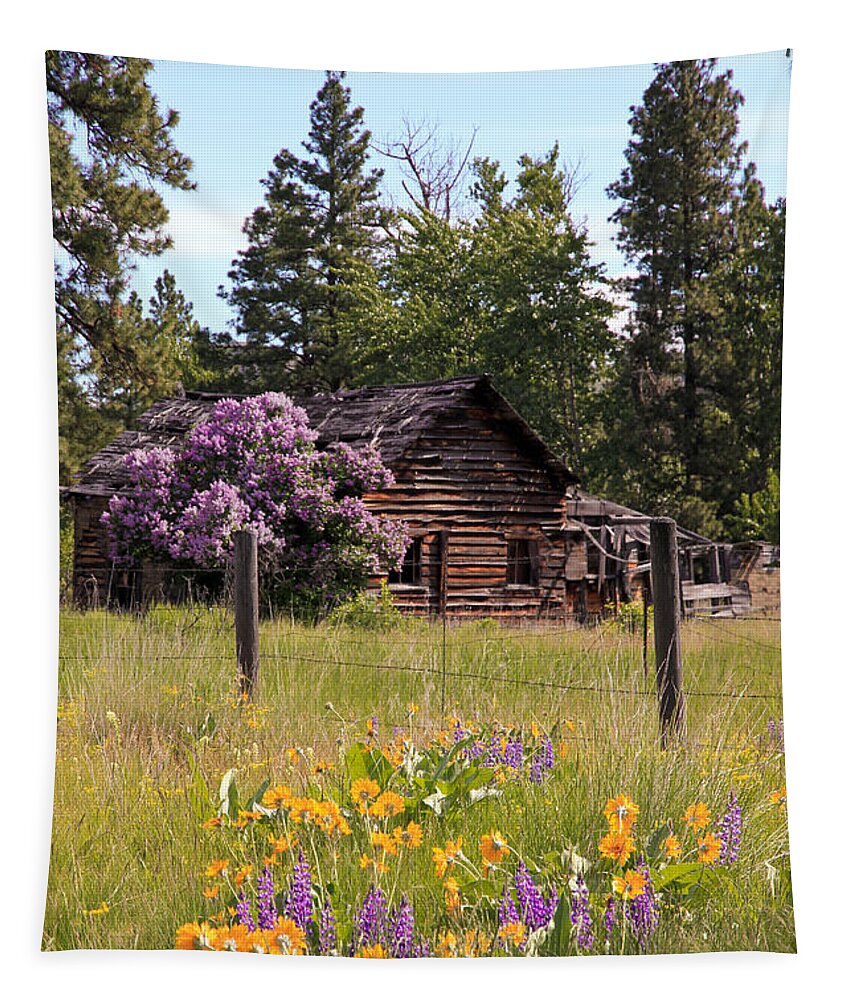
point(254, 464)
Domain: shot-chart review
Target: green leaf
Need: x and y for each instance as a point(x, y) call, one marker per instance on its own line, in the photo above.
point(559, 941)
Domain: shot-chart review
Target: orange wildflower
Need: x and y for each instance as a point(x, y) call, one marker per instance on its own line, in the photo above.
point(673, 847)
point(285, 938)
point(697, 816)
point(778, 798)
point(242, 874)
point(363, 791)
point(235, 938)
point(446, 945)
point(410, 836)
point(630, 886)
point(384, 841)
point(621, 813)
point(708, 849)
point(292, 755)
point(494, 849)
point(514, 933)
point(371, 951)
point(278, 797)
point(210, 892)
point(215, 868)
point(387, 804)
point(280, 845)
point(193, 937)
point(212, 823)
point(452, 896)
point(617, 846)
point(444, 859)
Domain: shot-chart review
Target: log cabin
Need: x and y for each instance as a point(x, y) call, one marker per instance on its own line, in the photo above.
point(500, 526)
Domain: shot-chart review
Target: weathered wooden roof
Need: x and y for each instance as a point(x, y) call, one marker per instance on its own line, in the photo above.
point(390, 417)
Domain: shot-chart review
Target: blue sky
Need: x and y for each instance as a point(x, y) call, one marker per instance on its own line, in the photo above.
point(234, 119)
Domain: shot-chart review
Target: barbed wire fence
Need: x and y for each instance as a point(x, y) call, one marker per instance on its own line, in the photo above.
point(451, 653)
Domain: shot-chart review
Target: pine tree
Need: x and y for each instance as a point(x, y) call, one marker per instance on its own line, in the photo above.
point(677, 228)
point(111, 150)
point(319, 223)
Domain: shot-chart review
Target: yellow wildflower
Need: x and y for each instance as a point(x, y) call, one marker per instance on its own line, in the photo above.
point(697, 816)
point(278, 797)
point(673, 847)
point(193, 937)
point(371, 951)
point(514, 933)
point(630, 886)
point(387, 804)
point(452, 896)
point(494, 849)
point(617, 846)
point(98, 911)
point(778, 797)
point(446, 945)
point(708, 849)
point(384, 841)
point(443, 859)
point(363, 791)
point(410, 836)
point(621, 813)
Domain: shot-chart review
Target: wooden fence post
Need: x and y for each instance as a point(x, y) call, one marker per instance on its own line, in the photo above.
point(246, 610)
point(665, 573)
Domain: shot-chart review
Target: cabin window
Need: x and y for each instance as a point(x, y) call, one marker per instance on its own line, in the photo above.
point(520, 570)
point(412, 566)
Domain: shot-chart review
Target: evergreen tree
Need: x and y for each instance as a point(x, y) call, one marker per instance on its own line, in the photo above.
point(320, 222)
point(111, 149)
point(678, 197)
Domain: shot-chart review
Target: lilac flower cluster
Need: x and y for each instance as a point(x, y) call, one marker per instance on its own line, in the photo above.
point(730, 831)
point(254, 464)
point(580, 915)
point(642, 913)
point(299, 903)
point(535, 909)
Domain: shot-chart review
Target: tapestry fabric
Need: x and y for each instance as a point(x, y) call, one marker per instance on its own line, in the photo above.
point(419, 448)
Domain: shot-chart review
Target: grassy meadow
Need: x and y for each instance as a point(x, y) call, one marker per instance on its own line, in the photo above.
point(148, 838)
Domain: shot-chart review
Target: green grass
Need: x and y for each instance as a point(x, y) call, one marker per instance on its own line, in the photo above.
point(141, 699)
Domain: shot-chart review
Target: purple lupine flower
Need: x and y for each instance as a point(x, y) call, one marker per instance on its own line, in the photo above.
point(458, 732)
point(299, 904)
point(535, 910)
point(371, 919)
point(548, 753)
point(475, 750)
point(494, 755)
point(243, 912)
point(421, 950)
point(401, 930)
point(610, 918)
point(514, 753)
point(580, 915)
point(730, 831)
point(267, 911)
point(327, 930)
point(642, 913)
point(507, 910)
